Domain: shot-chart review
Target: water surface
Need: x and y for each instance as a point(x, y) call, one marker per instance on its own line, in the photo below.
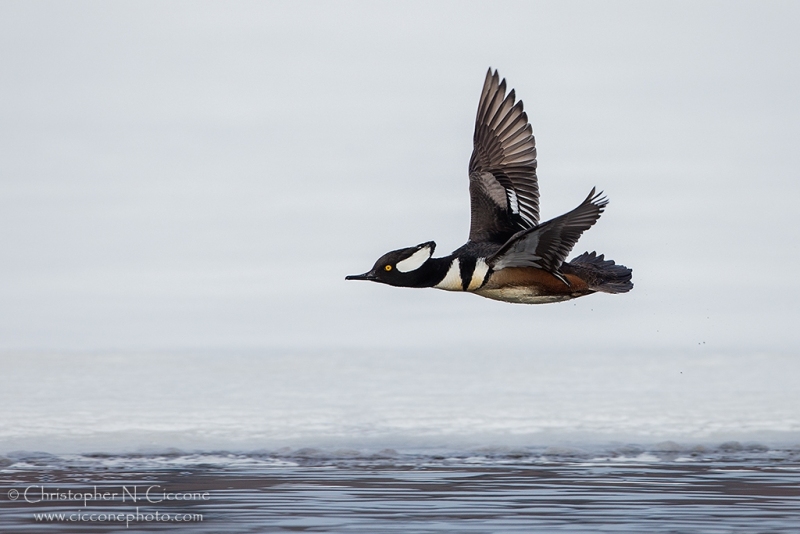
point(728, 489)
point(403, 441)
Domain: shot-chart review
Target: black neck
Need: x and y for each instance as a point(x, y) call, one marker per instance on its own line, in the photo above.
point(431, 273)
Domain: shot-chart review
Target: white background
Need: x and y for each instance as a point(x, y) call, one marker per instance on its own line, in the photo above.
point(203, 175)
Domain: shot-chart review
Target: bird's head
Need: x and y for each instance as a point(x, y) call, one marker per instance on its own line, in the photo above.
point(399, 267)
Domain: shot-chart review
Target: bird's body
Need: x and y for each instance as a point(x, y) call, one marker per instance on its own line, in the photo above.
point(509, 256)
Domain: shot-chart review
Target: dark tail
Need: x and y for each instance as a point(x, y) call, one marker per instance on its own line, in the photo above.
point(601, 274)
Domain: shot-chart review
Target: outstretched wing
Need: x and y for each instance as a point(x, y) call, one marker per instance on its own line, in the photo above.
point(502, 170)
point(546, 246)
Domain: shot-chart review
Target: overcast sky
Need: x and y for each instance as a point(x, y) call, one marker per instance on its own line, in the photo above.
point(204, 174)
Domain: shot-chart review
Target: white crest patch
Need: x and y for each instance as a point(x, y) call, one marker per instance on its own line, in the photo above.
point(478, 275)
point(415, 261)
point(452, 280)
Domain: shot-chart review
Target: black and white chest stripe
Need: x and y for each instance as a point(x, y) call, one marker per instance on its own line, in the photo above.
point(465, 273)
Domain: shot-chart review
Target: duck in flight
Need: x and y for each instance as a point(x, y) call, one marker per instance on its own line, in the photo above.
point(509, 256)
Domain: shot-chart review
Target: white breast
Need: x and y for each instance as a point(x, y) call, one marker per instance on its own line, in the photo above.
point(478, 275)
point(452, 280)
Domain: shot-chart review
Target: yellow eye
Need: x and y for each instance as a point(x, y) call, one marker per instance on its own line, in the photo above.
point(388, 268)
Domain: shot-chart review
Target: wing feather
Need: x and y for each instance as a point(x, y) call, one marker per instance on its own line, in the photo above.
point(504, 155)
point(547, 245)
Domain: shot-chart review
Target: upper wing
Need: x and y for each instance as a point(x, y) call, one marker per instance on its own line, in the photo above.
point(547, 245)
point(502, 170)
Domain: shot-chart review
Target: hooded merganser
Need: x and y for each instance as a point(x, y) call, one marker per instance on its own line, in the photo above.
point(509, 256)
